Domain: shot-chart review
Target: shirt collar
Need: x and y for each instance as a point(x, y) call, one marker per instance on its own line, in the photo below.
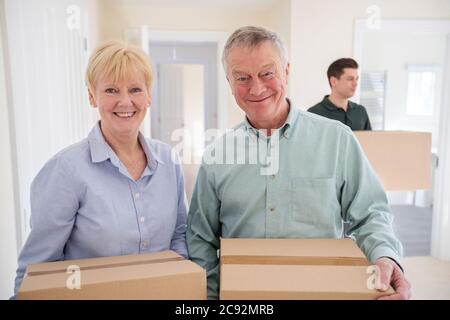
point(331, 106)
point(153, 158)
point(289, 123)
point(284, 129)
point(101, 150)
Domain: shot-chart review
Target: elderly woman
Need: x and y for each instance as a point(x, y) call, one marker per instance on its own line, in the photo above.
point(115, 192)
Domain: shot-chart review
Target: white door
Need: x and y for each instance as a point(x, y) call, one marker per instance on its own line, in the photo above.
point(170, 104)
point(47, 43)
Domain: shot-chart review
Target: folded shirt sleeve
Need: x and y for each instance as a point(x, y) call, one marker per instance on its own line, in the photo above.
point(365, 204)
point(54, 204)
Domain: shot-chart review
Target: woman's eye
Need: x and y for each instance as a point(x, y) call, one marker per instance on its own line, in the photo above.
point(241, 79)
point(110, 90)
point(136, 90)
point(267, 74)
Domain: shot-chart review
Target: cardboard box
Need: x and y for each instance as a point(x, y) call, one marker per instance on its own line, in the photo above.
point(402, 159)
point(294, 269)
point(291, 251)
point(159, 275)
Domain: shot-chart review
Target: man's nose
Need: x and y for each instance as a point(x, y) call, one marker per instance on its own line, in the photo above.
point(257, 87)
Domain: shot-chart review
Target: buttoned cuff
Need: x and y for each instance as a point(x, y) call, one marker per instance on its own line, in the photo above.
point(387, 252)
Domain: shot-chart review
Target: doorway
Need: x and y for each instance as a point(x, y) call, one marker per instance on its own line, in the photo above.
point(184, 99)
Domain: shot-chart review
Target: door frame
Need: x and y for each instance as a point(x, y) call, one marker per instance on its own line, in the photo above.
point(185, 53)
point(17, 217)
point(440, 237)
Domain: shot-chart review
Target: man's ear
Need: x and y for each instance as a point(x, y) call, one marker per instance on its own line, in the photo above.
point(231, 86)
point(286, 70)
point(333, 81)
point(92, 99)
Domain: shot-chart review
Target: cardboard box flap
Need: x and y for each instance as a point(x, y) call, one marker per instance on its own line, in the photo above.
point(102, 262)
point(131, 272)
point(296, 282)
point(291, 251)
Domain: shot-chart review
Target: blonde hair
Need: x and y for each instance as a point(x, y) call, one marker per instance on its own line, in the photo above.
point(114, 59)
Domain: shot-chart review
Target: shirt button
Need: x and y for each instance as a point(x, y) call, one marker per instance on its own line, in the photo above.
point(272, 209)
point(142, 219)
point(272, 176)
point(137, 195)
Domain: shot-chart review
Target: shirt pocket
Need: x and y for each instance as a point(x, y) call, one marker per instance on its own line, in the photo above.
point(314, 202)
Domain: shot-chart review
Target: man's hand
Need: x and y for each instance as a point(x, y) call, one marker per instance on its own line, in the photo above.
point(391, 274)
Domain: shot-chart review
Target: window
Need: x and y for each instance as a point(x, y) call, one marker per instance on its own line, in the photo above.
point(422, 80)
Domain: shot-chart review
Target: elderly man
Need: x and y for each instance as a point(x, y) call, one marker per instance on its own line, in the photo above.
point(343, 80)
point(318, 176)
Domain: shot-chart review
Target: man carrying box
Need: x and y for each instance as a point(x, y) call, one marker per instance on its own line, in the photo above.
point(285, 173)
point(343, 79)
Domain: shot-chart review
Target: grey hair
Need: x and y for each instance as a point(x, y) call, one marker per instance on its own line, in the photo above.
point(250, 37)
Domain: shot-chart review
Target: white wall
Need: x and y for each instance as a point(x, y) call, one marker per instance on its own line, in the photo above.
point(8, 246)
point(193, 119)
point(93, 19)
point(322, 31)
point(116, 17)
point(280, 20)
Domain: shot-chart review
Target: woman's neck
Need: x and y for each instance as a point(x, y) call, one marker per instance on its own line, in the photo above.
point(122, 145)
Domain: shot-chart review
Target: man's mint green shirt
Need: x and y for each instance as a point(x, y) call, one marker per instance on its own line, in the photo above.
point(322, 178)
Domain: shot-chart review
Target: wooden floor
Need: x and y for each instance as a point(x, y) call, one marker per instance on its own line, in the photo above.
point(429, 277)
